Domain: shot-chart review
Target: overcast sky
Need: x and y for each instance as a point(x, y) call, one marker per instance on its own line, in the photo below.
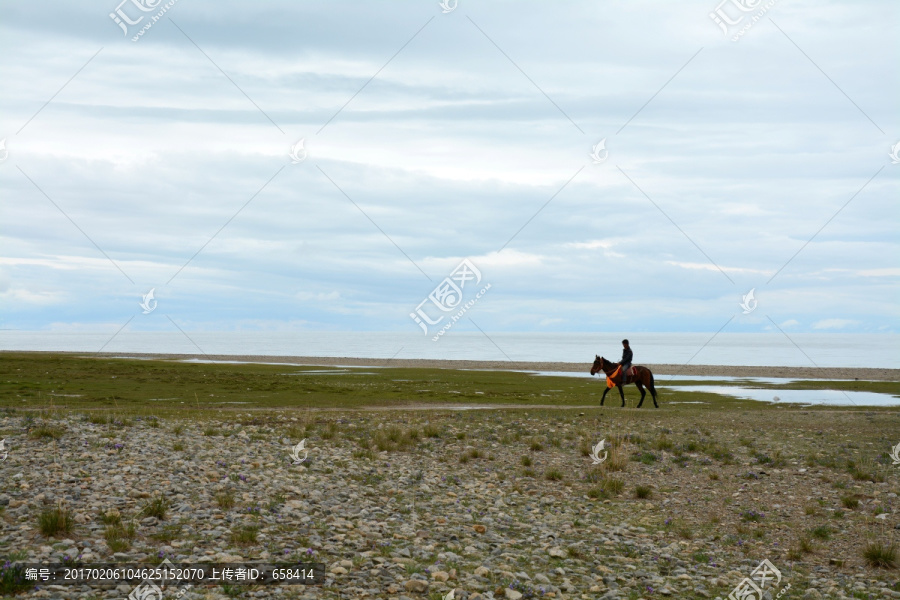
point(730, 164)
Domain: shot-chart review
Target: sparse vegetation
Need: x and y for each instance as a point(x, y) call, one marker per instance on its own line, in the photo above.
point(881, 555)
point(156, 507)
point(55, 522)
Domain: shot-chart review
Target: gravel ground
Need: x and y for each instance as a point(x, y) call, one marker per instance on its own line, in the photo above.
point(491, 504)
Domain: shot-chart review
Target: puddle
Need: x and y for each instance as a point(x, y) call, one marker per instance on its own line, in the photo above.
point(811, 397)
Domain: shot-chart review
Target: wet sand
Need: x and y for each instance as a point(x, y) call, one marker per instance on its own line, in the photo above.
point(830, 373)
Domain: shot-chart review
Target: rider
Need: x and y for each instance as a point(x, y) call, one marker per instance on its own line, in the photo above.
point(625, 363)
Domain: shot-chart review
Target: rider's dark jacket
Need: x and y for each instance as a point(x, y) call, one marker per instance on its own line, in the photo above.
point(627, 355)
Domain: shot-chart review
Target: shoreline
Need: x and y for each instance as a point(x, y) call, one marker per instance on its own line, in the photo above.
point(828, 373)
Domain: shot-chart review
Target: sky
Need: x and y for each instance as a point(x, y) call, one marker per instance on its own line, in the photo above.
point(604, 166)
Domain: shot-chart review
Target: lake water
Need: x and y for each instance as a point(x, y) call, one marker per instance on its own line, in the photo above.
point(751, 349)
point(810, 397)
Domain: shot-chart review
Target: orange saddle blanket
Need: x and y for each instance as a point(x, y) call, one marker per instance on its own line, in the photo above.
point(616, 375)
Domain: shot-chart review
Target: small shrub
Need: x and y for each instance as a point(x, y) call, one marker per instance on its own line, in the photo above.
point(752, 516)
point(663, 443)
point(879, 554)
point(642, 492)
point(225, 500)
point(613, 486)
point(13, 579)
point(111, 517)
point(823, 532)
point(596, 492)
point(46, 431)
point(245, 535)
point(526, 461)
point(536, 446)
point(805, 544)
point(647, 458)
point(118, 537)
point(55, 521)
point(156, 507)
point(850, 502)
point(553, 475)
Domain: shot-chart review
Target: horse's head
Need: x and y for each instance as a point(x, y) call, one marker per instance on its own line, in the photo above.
point(598, 365)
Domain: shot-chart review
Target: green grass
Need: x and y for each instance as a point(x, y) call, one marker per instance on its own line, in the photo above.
point(553, 475)
point(13, 579)
point(156, 507)
point(111, 517)
point(165, 389)
point(46, 431)
point(880, 554)
point(850, 502)
point(225, 499)
point(118, 537)
point(643, 492)
point(245, 536)
point(55, 522)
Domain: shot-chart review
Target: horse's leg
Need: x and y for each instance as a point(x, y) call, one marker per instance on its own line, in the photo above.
point(643, 392)
point(653, 394)
point(603, 398)
point(622, 393)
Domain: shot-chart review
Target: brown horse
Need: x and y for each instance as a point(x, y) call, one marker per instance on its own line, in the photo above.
point(643, 377)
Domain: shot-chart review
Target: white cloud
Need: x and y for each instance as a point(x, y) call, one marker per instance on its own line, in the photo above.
point(834, 323)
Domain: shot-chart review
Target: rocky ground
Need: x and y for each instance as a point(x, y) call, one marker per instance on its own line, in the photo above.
point(491, 504)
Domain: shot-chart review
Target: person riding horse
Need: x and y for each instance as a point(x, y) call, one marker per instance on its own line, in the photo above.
point(627, 358)
point(641, 377)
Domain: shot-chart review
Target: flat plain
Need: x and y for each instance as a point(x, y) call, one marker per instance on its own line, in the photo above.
point(418, 481)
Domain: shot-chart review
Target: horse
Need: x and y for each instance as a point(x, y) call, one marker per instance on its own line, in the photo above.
point(643, 377)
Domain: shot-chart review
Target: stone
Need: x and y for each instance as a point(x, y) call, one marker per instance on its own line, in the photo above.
point(416, 585)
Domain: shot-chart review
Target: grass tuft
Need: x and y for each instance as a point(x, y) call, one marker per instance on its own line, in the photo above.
point(55, 522)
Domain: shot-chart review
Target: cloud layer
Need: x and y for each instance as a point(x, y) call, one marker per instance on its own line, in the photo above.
point(164, 163)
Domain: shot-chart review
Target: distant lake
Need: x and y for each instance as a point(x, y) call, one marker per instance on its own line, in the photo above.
point(750, 349)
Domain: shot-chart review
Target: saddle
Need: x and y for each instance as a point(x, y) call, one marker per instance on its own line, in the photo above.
point(616, 375)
